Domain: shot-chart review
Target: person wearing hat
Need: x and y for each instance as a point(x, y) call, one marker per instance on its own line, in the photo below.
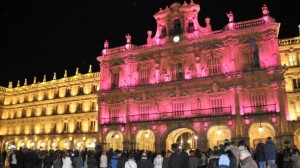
point(175, 161)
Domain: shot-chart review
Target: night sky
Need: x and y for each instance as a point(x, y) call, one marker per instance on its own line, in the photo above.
point(40, 37)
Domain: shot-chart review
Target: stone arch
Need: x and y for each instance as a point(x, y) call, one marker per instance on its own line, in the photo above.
point(260, 131)
point(217, 134)
point(184, 137)
point(145, 139)
point(114, 140)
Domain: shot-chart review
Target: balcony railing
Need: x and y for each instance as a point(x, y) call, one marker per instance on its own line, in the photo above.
point(260, 109)
point(174, 115)
point(113, 120)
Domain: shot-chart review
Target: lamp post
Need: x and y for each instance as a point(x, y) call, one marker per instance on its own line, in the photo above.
point(196, 139)
point(71, 144)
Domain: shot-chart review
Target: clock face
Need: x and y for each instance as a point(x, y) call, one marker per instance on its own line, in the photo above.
point(176, 39)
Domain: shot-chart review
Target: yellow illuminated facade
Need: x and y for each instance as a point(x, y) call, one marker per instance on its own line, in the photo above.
point(289, 49)
point(56, 114)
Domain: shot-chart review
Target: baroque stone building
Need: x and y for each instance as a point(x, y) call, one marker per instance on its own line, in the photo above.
point(195, 86)
point(189, 85)
point(55, 114)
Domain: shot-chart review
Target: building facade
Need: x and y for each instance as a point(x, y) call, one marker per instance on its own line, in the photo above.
point(290, 56)
point(194, 86)
point(55, 114)
point(189, 85)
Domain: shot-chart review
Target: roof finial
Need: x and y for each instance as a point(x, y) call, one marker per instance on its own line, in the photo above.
point(192, 2)
point(66, 73)
point(106, 44)
point(265, 10)
point(34, 80)
point(90, 69)
point(44, 80)
point(54, 76)
point(77, 71)
point(10, 84)
point(230, 17)
point(128, 38)
point(18, 84)
point(25, 82)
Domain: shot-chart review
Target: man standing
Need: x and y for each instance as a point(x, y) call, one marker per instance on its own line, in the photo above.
point(175, 160)
point(270, 151)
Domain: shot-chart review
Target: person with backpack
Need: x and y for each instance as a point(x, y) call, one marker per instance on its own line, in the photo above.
point(224, 161)
point(246, 159)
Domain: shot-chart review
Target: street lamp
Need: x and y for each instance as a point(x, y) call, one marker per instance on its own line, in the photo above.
point(147, 135)
point(196, 139)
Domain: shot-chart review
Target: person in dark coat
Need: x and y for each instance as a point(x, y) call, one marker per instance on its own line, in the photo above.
point(57, 163)
point(166, 159)
point(185, 158)
point(91, 160)
point(175, 160)
point(270, 151)
point(122, 160)
point(144, 162)
point(20, 158)
point(260, 155)
point(287, 157)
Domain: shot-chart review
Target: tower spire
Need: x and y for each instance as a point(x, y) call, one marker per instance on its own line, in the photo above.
point(18, 84)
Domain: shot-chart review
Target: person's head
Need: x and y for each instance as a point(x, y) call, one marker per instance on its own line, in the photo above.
point(241, 143)
point(131, 156)
point(192, 152)
point(76, 153)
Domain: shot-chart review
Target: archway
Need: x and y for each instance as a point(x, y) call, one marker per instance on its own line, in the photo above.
point(184, 137)
point(116, 140)
point(260, 131)
point(145, 139)
point(216, 135)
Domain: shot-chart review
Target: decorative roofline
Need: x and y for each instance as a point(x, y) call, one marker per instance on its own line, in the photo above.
point(289, 41)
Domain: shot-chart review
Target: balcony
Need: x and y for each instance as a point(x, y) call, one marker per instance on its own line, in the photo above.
point(174, 115)
point(260, 109)
point(113, 120)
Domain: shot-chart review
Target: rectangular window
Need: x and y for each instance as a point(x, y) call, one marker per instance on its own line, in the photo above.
point(114, 114)
point(217, 104)
point(178, 109)
point(293, 60)
point(66, 127)
point(214, 66)
point(144, 111)
point(78, 125)
point(178, 72)
point(115, 81)
point(93, 125)
point(296, 83)
point(258, 101)
point(144, 76)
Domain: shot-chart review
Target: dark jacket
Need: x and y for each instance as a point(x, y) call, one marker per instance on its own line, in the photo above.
point(185, 159)
point(270, 150)
point(144, 163)
point(260, 155)
point(175, 161)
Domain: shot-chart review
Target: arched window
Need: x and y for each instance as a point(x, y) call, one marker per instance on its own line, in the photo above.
point(190, 28)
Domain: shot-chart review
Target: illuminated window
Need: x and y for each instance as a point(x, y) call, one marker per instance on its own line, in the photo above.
point(66, 126)
point(144, 76)
point(214, 66)
point(115, 81)
point(114, 114)
point(178, 72)
point(144, 111)
point(93, 125)
point(178, 109)
point(216, 104)
point(258, 101)
point(293, 60)
point(296, 83)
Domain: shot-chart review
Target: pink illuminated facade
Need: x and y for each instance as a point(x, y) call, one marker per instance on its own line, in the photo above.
point(194, 86)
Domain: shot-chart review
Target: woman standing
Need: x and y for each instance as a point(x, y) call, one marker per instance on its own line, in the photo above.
point(103, 160)
point(67, 163)
point(245, 156)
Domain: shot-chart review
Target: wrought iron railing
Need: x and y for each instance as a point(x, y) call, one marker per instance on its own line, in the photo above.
point(259, 109)
point(174, 115)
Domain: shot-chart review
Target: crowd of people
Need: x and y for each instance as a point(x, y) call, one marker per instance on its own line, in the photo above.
point(227, 155)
